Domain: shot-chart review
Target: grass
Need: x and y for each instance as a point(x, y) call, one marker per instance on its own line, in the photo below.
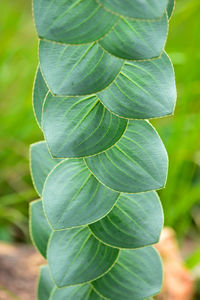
point(180, 133)
point(18, 61)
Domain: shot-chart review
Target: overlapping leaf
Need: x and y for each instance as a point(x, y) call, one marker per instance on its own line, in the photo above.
point(100, 62)
point(129, 224)
point(41, 164)
point(45, 285)
point(72, 196)
point(79, 126)
point(39, 93)
point(39, 227)
point(48, 291)
point(134, 39)
point(170, 7)
point(77, 70)
point(72, 22)
point(75, 256)
point(137, 163)
point(79, 292)
point(136, 275)
point(136, 9)
point(144, 89)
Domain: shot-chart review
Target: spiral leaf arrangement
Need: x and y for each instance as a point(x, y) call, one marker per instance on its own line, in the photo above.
point(102, 73)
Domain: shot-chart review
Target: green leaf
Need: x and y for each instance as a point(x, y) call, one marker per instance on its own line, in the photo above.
point(79, 126)
point(135, 221)
point(135, 39)
point(48, 291)
point(136, 275)
point(72, 22)
point(41, 164)
point(39, 92)
point(45, 285)
point(141, 9)
point(72, 196)
point(77, 70)
point(144, 89)
point(39, 227)
point(78, 292)
point(170, 7)
point(137, 163)
point(75, 256)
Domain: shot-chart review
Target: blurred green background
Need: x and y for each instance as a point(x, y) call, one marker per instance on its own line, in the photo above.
point(181, 134)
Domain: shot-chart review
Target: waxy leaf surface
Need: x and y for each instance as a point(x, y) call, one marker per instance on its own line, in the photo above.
point(72, 196)
point(170, 7)
point(137, 163)
point(39, 227)
point(48, 291)
point(134, 39)
point(136, 275)
point(78, 292)
point(39, 93)
point(75, 256)
point(77, 70)
point(72, 21)
point(141, 9)
point(144, 89)
point(41, 164)
point(45, 285)
point(135, 221)
point(79, 126)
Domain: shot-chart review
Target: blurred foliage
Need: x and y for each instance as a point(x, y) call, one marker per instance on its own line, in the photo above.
point(18, 61)
point(181, 132)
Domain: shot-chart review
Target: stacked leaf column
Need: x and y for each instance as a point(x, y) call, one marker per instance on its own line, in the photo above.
point(102, 73)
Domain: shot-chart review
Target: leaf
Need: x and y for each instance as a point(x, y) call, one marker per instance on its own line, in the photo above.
point(39, 92)
point(48, 291)
point(136, 275)
point(72, 196)
point(136, 39)
point(72, 22)
point(144, 89)
point(77, 70)
point(75, 256)
point(141, 9)
point(135, 221)
point(78, 292)
point(45, 285)
point(39, 228)
point(137, 163)
point(79, 126)
point(170, 7)
point(41, 164)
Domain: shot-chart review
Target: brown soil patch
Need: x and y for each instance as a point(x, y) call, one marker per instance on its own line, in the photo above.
point(19, 267)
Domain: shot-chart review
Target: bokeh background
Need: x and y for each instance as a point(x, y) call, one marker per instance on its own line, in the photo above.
point(180, 133)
